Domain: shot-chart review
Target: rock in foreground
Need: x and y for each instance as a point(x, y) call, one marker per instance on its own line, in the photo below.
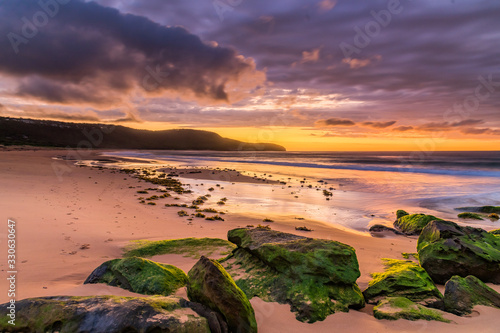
point(394, 308)
point(462, 294)
point(140, 276)
point(316, 277)
point(402, 278)
point(210, 285)
point(103, 314)
point(414, 223)
point(446, 249)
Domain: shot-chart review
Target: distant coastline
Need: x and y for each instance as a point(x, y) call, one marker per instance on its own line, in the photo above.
point(46, 133)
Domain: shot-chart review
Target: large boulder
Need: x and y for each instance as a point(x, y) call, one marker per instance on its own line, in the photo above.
point(402, 278)
point(103, 314)
point(446, 249)
point(394, 308)
point(140, 276)
point(316, 277)
point(414, 223)
point(462, 294)
point(210, 285)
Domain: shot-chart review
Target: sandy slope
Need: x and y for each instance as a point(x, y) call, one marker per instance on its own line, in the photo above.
point(55, 217)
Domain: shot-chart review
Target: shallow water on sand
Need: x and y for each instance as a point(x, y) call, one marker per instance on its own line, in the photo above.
point(360, 197)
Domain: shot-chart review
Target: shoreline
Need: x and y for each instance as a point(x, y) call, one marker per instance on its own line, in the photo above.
point(99, 207)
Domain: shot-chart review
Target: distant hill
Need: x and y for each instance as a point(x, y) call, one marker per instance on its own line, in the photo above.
point(16, 131)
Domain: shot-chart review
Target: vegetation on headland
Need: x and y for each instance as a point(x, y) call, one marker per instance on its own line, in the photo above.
point(192, 247)
point(16, 131)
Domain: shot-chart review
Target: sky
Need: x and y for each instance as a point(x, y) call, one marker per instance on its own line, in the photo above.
point(306, 74)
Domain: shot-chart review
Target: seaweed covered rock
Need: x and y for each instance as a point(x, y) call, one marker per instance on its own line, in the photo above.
point(376, 228)
point(316, 277)
point(400, 213)
point(462, 294)
point(210, 285)
point(394, 308)
point(103, 314)
point(402, 278)
point(140, 276)
point(446, 249)
point(414, 223)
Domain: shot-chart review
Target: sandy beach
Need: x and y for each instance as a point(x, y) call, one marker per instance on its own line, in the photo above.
point(68, 225)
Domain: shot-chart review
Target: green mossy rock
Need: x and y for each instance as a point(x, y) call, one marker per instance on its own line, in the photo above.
point(400, 213)
point(316, 277)
point(414, 223)
point(210, 285)
point(495, 232)
point(470, 216)
point(462, 294)
point(446, 249)
point(300, 256)
point(140, 276)
point(394, 308)
point(103, 314)
point(402, 278)
point(481, 209)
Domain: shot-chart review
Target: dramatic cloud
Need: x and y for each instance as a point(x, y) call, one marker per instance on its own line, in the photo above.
point(378, 124)
point(82, 52)
point(402, 128)
point(487, 131)
point(335, 122)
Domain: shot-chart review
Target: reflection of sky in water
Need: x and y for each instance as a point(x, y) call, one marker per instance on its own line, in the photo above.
point(362, 194)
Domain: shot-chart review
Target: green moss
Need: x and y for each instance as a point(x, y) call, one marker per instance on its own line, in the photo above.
point(401, 278)
point(192, 247)
point(400, 213)
point(468, 215)
point(408, 255)
point(211, 285)
point(394, 308)
point(316, 277)
point(85, 314)
point(414, 223)
point(462, 294)
point(495, 232)
point(446, 249)
point(143, 276)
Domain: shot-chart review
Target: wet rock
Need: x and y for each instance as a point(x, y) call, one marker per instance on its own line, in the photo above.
point(446, 249)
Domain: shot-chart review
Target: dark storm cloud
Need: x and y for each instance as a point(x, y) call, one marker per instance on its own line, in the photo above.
point(335, 122)
point(426, 58)
point(379, 124)
point(85, 52)
point(487, 131)
point(402, 128)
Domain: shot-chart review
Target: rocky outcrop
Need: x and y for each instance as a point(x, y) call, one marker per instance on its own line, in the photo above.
point(414, 223)
point(400, 213)
point(140, 276)
point(462, 294)
point(446, 249)
point(316, 277)
point(210, 285)
point(376, 228)
point(402, 278)
point(103, 314)
point(394, 308)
